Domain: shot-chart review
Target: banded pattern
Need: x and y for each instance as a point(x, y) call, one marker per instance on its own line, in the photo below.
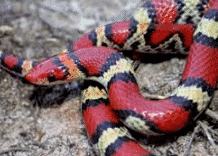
point(106, 132)
point(152, 19)
point(166, 26)
point(16, 65)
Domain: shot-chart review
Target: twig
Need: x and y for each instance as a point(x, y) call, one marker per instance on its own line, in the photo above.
point(154, 97)
point(188, 147)
point(212, 114)
point(205, 128)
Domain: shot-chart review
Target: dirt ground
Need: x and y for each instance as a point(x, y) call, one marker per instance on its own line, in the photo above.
point(47, 121)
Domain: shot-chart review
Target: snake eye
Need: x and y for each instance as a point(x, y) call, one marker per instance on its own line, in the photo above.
point(65, 71)
point(57, 74)
point(51, 78)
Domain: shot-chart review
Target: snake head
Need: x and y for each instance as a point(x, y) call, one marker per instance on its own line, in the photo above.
point(47, 72)
point(58, 69)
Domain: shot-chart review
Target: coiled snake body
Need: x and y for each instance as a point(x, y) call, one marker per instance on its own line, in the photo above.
point(157, 26)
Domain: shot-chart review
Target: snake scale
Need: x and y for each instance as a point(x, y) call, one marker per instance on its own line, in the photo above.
point(111, 99)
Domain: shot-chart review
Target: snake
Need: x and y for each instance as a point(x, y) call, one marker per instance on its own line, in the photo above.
point(111, 100)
